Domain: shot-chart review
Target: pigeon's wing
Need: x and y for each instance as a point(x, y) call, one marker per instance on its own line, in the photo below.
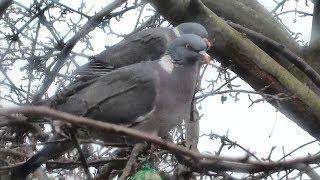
point(119, 97)
point(149, 44)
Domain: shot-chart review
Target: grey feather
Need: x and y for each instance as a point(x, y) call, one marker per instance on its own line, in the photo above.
point(146, 45)
point(144, 96)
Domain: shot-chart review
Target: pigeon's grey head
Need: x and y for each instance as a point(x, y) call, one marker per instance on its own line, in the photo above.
point(192, 28)
point(187, 49)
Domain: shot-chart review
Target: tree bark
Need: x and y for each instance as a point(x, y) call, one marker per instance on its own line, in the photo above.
point(4, 4)
point(312, 53)
point(249, 62)
point(315, 31)
point(252, 15)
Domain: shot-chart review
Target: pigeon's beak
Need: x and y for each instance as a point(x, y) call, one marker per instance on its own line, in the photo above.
point(208, 43)
point(205, 57)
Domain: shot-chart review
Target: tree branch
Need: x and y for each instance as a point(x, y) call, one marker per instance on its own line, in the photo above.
point(292, 57)
point(196, 160)
point(249, 14)
point(315, 31)
point(87, 27)
point(278, 5)
point(249, 62)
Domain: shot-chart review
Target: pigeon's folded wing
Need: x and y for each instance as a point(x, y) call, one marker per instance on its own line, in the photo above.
point(119, 97)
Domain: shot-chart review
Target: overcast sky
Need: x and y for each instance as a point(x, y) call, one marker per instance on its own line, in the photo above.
point(259, 127)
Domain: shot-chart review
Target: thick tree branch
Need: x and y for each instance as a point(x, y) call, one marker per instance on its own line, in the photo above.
point(315, 31)
point(312, 53)
point(253, 15)
point(196, 160)
point(293, 58)
point(111, 128)
point(249, 62)
point(250, 13)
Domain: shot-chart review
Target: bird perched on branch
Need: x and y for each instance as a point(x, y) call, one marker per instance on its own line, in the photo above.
point(151, 96)
point(146, 45)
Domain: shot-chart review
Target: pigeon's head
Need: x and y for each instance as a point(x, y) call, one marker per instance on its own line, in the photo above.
point(192, 28)
point(187, 49)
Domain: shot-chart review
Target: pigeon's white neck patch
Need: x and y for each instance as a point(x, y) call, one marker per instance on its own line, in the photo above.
point(176, 31)
point(166, 64)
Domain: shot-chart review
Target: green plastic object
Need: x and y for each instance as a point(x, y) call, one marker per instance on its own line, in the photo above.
point(146, 173)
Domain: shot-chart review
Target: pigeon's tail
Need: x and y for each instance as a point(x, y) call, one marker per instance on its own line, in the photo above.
point(50, 151)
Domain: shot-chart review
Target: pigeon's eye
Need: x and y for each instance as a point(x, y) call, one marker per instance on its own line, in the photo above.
point(190, 47)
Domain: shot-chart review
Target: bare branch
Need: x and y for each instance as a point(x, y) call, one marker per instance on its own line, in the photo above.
point(278, 6)
point(197, 160)
point(91, 24)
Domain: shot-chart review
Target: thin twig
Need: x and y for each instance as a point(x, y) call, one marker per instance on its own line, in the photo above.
point(137, 149)
point(81, 155)
point(87, 27)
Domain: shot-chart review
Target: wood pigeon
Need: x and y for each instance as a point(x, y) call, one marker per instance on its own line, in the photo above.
point(149, 44)
point(150, 96)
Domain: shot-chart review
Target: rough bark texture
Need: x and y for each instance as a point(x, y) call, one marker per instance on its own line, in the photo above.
point(249, 62)
point(248, 13)
point(312, 53)
point(315, 32)
point(254, 16)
